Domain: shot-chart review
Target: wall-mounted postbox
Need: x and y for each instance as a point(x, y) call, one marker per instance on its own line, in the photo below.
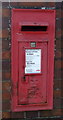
point(33, 32)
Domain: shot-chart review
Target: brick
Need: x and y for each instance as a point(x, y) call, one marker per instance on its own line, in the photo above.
point(0, 55)
point(62, 32)
point(57, 74)
point(62, 53)
point(50, 4)
point(58, 44)
point(6, 12)
point(6, 95)
point(61, 112)
point(6, 75)
point(57, 112)
point(6, 114)
point(62, 92)
point(6, 86)
point(62, 103)
point(62, 13)
point(31, 114)
point(28, 4)
point(5, 44)
point(57, 84)
point(61, 43)
point(0, 86)
point(58, 33)
point(0, 23)
point(0, 105)
point(17, 115)
point(0, 75)
point(0, 97)
point(4, 33)
point(5, 65)
point(0, 45)
point(62, 23)
point(58, 13)
point(57, 93)
point(6, 55)
point(58, 53)
point(5, 22)
point(0, 33)
point(13, 4)
point(5, 4)
point(58, 5)
point(54, 112)
point(62, 85)
point(62, 64)
point(5, 106)
point(58, 24)
point(62, 74)
point(0, 65)
point(0, 115)
point(58, 64)
point(57, 103)
point(46, 113)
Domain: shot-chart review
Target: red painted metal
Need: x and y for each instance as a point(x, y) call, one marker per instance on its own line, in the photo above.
point(32, 91)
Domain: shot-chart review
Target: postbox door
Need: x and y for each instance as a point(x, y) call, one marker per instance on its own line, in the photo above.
point(32, 87)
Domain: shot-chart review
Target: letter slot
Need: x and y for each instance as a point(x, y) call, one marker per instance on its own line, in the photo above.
point(34, 28)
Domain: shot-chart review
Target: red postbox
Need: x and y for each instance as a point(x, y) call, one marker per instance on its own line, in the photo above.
point(33, 32)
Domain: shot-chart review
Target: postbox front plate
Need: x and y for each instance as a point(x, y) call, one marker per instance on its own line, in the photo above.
point(32, 59)
point(32, 86)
